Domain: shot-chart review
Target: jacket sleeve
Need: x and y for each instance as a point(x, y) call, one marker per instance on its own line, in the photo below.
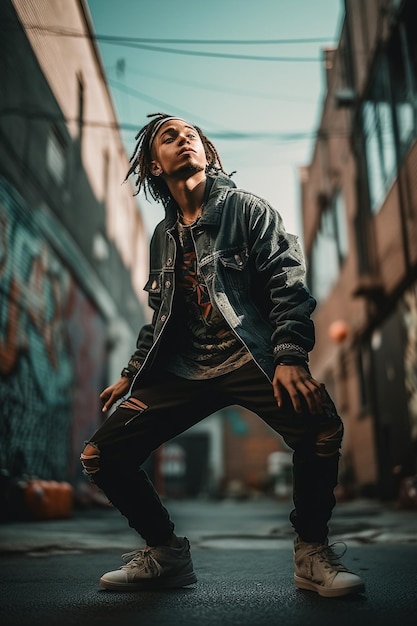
point(143, 345)
point(146, 334)
point(279, 264)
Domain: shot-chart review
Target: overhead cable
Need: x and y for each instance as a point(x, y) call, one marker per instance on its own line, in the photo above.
point(148, 44)
point(67, 32)
point(226, 135)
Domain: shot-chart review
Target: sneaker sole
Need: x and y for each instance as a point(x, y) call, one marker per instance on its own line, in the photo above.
point(326, 592)
point(176, 582)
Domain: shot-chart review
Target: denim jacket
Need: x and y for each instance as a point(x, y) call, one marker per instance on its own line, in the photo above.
point(254, 272)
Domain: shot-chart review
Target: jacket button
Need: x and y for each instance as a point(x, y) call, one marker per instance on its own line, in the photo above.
point(169, 261)
point(163, 318)
point(167, 284)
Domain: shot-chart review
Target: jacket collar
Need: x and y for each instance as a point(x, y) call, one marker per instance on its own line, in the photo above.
point(214, 205)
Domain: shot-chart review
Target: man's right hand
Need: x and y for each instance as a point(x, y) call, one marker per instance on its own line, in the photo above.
point(111, 394)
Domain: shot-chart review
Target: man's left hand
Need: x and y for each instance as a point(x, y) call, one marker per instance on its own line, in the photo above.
point(298, 383)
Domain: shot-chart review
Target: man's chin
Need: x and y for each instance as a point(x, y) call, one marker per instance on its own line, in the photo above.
point(189, 169)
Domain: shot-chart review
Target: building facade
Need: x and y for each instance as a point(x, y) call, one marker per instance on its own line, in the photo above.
point(73, 247)
point(359, 210)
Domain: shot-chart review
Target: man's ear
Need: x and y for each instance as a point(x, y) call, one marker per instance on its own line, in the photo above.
point(155, 168)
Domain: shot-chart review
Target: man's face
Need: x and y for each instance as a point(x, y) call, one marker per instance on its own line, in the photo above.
point(177, 150)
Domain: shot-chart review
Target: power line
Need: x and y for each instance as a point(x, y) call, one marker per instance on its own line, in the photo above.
point(237, 42)
point(165, 106)
point(218, 55)
point(224, 135)
point(208, 87)
point(139, 43)
point(154, 101)
point(67, 32)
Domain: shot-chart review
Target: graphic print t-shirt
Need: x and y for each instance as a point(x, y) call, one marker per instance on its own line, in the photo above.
point(208, 347)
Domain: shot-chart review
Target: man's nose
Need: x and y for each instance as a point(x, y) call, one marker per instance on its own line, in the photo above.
point(182, 138)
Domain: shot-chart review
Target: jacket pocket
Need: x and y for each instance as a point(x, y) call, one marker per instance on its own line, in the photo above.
point(235, 272)
point(235, 259)
point(154, 283)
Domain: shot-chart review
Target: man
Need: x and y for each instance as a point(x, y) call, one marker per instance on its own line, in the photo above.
point(231, 325)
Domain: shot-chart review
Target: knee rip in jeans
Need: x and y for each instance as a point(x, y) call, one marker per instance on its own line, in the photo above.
point(90, 459)
point(328, 442)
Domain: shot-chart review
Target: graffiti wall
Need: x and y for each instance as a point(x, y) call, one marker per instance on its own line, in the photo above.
point(52, 342)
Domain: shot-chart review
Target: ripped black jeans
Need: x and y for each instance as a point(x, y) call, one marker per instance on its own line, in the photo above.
point(158, 412)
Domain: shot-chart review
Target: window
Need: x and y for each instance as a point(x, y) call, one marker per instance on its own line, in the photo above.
point(55, 156)
point(409, 47)
point(408, 25)
point(403, 89)
point(330, 248)
point(340, 226)
point(389, 113)
point(379, 136)
point(396, 4)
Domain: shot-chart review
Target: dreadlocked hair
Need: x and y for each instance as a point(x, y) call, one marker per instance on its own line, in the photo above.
point(140, 161)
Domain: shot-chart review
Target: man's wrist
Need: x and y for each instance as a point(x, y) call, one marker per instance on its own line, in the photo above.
point(135, 363)
point(291, 360)
point(289, 350)
point(129, 372)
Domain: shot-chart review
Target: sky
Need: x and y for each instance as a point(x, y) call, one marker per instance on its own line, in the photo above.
point(262, 114)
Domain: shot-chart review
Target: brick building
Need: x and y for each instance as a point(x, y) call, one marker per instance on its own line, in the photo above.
point(359, 210)
point(73, 247)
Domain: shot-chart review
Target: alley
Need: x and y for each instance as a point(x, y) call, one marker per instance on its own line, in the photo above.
point(242, 556)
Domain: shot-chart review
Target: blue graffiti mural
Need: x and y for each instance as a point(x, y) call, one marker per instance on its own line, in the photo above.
point(41, 375)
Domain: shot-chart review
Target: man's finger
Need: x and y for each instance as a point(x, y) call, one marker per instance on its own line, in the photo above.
point(295, 399)
point(313, 396)
point(277, 395)
point(108, 404)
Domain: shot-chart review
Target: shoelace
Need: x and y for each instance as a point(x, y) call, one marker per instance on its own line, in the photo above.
point(128, 556)
point(143, 558)
point(329, 557)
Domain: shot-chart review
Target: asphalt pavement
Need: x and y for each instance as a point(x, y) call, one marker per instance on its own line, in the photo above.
point(242, 553)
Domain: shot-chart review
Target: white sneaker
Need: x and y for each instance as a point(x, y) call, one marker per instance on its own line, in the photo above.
point(160, 567)
point(317, 568)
